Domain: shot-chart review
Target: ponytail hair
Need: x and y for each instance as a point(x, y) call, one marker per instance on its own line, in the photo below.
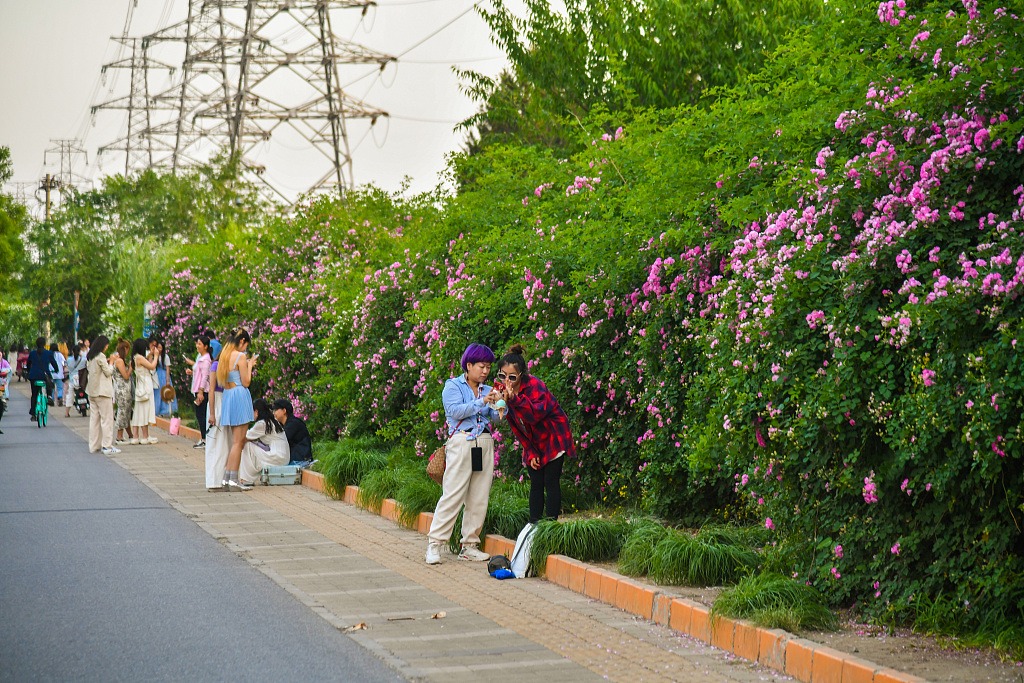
point(514, 357)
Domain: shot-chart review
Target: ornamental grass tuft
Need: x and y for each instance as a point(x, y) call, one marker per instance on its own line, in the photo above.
point(775, 601)
point(385, 483)
point(415, 495)
point(638, 550)
point(683, 559)
point(346, 462)
point(509, 509)
point(595, 539)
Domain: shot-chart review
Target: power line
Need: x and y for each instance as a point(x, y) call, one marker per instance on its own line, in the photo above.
point(415, 45)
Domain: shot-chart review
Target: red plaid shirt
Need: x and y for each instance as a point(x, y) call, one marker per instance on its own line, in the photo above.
point(539, 423)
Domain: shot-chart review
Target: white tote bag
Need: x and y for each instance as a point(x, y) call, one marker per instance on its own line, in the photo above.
point(521, 566)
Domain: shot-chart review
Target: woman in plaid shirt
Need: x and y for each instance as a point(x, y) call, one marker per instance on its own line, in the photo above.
point(541, 428)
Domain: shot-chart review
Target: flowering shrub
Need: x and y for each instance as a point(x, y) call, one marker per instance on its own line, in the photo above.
point(797, 306)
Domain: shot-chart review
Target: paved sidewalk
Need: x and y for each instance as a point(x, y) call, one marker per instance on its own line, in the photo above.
point(447, 623)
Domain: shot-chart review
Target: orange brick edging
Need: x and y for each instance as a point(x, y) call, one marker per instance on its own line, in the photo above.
point(313, 480)
point(804, 660)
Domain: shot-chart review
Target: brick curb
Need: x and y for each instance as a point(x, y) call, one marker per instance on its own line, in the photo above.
point(802, 659)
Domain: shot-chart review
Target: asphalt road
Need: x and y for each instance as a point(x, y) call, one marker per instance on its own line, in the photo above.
point(101, 580)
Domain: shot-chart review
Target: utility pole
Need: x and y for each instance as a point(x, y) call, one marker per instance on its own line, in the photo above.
point(48, 183)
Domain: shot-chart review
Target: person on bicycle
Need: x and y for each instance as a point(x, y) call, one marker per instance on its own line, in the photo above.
point(40, 363)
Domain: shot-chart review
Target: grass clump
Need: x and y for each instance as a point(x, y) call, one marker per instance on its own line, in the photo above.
point(508, 510)
point(416, 495)
point(346, 462)
point(385, 483)
point(638, 549)
point(742, 536)
point(596, 539)
point(702, 560)
point(775, 601)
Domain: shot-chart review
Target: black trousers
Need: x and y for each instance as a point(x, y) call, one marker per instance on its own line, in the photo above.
point(201, 415)
point(546, 480)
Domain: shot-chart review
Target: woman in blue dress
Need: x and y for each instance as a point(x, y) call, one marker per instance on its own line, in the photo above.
point(163, 373)
point(234, 372)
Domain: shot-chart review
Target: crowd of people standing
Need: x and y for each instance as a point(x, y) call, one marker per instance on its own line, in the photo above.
point(242, 435)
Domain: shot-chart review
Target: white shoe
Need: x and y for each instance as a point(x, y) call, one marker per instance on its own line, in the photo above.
point(433, 552)
point(119, 442)
point(107, 451)
point(114, 449)
point(151, 440)
point(133, 442)
point(473, 554)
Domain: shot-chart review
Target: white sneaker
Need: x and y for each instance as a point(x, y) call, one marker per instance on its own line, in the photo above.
point(151, 440)
point(114, 449)
point(433, 552)
point(133, 442)
point(119, 442)
point(106, 451)
point(473, 554)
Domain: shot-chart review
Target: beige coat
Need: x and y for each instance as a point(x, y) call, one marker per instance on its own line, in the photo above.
point(100, 377)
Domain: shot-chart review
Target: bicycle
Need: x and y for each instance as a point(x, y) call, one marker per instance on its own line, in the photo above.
point(41, 403)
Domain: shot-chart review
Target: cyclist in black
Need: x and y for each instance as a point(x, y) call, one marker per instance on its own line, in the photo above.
point(39, 363)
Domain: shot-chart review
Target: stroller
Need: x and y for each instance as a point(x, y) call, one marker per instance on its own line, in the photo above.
point(80, 400)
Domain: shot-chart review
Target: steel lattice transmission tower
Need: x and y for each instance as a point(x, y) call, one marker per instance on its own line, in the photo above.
point(67, 152)
point(250, 70)
point(137, 144)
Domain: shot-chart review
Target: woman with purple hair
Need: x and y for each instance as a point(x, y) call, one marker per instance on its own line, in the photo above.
point(469, 456)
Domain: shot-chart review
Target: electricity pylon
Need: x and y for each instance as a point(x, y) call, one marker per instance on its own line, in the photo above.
point(250, 69)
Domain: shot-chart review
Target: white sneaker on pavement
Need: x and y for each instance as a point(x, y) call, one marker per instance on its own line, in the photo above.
point(473, 554)
point(433, 552)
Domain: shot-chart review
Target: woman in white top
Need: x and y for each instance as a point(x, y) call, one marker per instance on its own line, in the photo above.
point(143, 412)
point(58, 376)
point(76, 362)
point(266, 444)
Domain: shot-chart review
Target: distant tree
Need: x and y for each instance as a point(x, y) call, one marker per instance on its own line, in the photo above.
point(13, 221)
point(619, 54)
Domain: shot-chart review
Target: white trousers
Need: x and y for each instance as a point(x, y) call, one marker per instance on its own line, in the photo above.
point(218, 445)
point(462, 486)
point(101, 423)
point(254, 459)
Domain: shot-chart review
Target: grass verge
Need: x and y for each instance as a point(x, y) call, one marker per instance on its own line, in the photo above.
point(775, 601)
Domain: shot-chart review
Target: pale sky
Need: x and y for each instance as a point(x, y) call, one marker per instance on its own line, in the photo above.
point(53, 51)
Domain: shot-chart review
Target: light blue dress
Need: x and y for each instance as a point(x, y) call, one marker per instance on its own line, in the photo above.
point(163, 409)
point(236, 404)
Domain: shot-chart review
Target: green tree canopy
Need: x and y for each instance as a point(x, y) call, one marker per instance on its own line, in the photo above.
point(622, 55)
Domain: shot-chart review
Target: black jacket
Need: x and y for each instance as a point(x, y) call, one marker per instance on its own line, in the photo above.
point(298, 439)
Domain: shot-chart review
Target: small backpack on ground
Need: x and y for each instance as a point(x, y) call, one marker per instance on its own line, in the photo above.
point(499, 567)
point(521, 566)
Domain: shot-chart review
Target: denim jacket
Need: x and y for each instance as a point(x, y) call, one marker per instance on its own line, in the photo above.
point(465, 412)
